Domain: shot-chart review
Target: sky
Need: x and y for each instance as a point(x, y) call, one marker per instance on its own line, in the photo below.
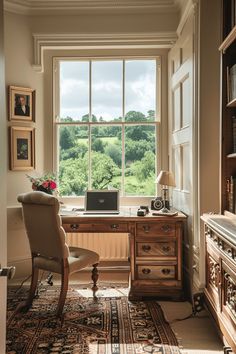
point(106, 88)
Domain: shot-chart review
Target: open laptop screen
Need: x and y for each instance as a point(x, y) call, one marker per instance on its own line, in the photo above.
point(102, 201)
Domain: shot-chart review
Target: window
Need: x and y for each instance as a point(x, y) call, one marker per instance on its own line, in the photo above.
point(107, 124)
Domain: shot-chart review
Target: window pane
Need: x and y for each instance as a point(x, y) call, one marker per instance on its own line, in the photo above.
point(106, 157)
point(73, 159)
point(140, 90)
point(74, 90)
point(107, 90)
point(140, 160)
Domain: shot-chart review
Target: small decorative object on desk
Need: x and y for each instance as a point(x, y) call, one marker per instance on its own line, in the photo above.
point(46, 183)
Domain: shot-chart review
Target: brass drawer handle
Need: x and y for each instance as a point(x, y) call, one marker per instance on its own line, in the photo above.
point(166, 228)
point(74, 226)
point(165, 271)
point(146, 271)
point(166, 248)
point(146, 248)
point(114, 226)
point(146, 228)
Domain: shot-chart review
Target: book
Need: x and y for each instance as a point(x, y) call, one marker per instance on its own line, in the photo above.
point(233, 13)
point(232, 83)
point(234, 133)
point(231, 191)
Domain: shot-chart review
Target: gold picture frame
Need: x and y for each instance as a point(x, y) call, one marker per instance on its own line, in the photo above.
point(22, 148)
point(21, 104)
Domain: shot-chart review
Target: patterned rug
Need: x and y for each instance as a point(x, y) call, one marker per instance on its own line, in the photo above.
point(111, 325)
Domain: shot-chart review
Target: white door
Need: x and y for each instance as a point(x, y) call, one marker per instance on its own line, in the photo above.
point(3, 163)
point(182, 145)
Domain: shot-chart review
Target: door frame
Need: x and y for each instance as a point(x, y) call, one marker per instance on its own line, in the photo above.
point(3, 172)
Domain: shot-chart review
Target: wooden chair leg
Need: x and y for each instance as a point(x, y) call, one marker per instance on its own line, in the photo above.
point(33, 285)
point(94, 279)
point(64, 288)
point(25, 305)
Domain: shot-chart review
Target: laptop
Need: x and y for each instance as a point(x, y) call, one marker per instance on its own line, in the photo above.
point(104, 201)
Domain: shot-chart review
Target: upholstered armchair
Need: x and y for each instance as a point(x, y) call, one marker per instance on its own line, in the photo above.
point(48, 245)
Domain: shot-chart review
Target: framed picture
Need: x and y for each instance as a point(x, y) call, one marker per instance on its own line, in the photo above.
point(22, 148)
point(21, 103)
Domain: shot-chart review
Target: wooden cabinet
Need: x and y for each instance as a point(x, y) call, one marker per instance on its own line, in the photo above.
point(220, 289)
point(156, 262)
point(228, 113)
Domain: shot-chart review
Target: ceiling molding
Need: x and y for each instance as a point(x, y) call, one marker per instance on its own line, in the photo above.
point(43, 42)
point(189, 9)
point(39, 7)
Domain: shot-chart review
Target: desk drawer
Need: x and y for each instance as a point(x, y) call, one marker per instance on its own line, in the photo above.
point(155, 229)
point(96, 227)
point(156, 271)
point(160, 249)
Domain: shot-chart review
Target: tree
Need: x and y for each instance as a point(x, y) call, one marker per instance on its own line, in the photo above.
point(144, 168)
point(135, 150)
point(104, 169)
point(73, 153)
point(151, 115)
point(73, 176)
point(135, 116)
point(66, 139)
point(114, 151)
point(97, 145)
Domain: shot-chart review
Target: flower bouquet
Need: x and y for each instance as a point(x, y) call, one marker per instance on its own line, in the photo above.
point(46, 183)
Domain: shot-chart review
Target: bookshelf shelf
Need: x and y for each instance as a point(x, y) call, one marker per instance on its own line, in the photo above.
point(231, 156)
point(228, 40)
point(232, 103)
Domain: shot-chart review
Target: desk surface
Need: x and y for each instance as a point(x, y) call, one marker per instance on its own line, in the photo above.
point(126, 214)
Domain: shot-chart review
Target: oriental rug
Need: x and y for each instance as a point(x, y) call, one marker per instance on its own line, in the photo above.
point(110, 325)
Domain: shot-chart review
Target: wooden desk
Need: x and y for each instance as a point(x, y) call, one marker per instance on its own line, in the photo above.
point(155, 249)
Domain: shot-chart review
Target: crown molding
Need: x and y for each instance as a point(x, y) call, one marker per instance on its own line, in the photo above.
point(36, 7)
point(189, 9)
point(98, 41)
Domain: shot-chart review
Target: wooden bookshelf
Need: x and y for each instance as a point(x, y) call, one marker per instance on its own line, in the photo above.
point(228, 99)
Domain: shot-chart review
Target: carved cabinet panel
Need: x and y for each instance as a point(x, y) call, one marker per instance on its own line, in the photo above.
point(220, 288)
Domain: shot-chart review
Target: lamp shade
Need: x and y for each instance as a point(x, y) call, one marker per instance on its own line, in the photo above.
point(166, 178)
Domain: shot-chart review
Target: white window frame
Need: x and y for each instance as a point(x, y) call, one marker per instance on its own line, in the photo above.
point(125, 200)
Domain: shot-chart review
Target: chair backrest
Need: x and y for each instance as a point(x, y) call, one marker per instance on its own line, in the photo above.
point(43, 224)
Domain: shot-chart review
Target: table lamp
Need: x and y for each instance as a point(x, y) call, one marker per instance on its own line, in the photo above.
point(166, 179)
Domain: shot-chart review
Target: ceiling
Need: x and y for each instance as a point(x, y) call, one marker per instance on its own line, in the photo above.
point(35, 7)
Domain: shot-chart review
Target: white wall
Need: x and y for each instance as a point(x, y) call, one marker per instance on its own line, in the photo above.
point(19, 72)
point(209, 118)
point(209, 113)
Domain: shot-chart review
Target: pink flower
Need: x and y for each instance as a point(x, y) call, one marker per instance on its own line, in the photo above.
point(52, 185)
point(45, 184)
